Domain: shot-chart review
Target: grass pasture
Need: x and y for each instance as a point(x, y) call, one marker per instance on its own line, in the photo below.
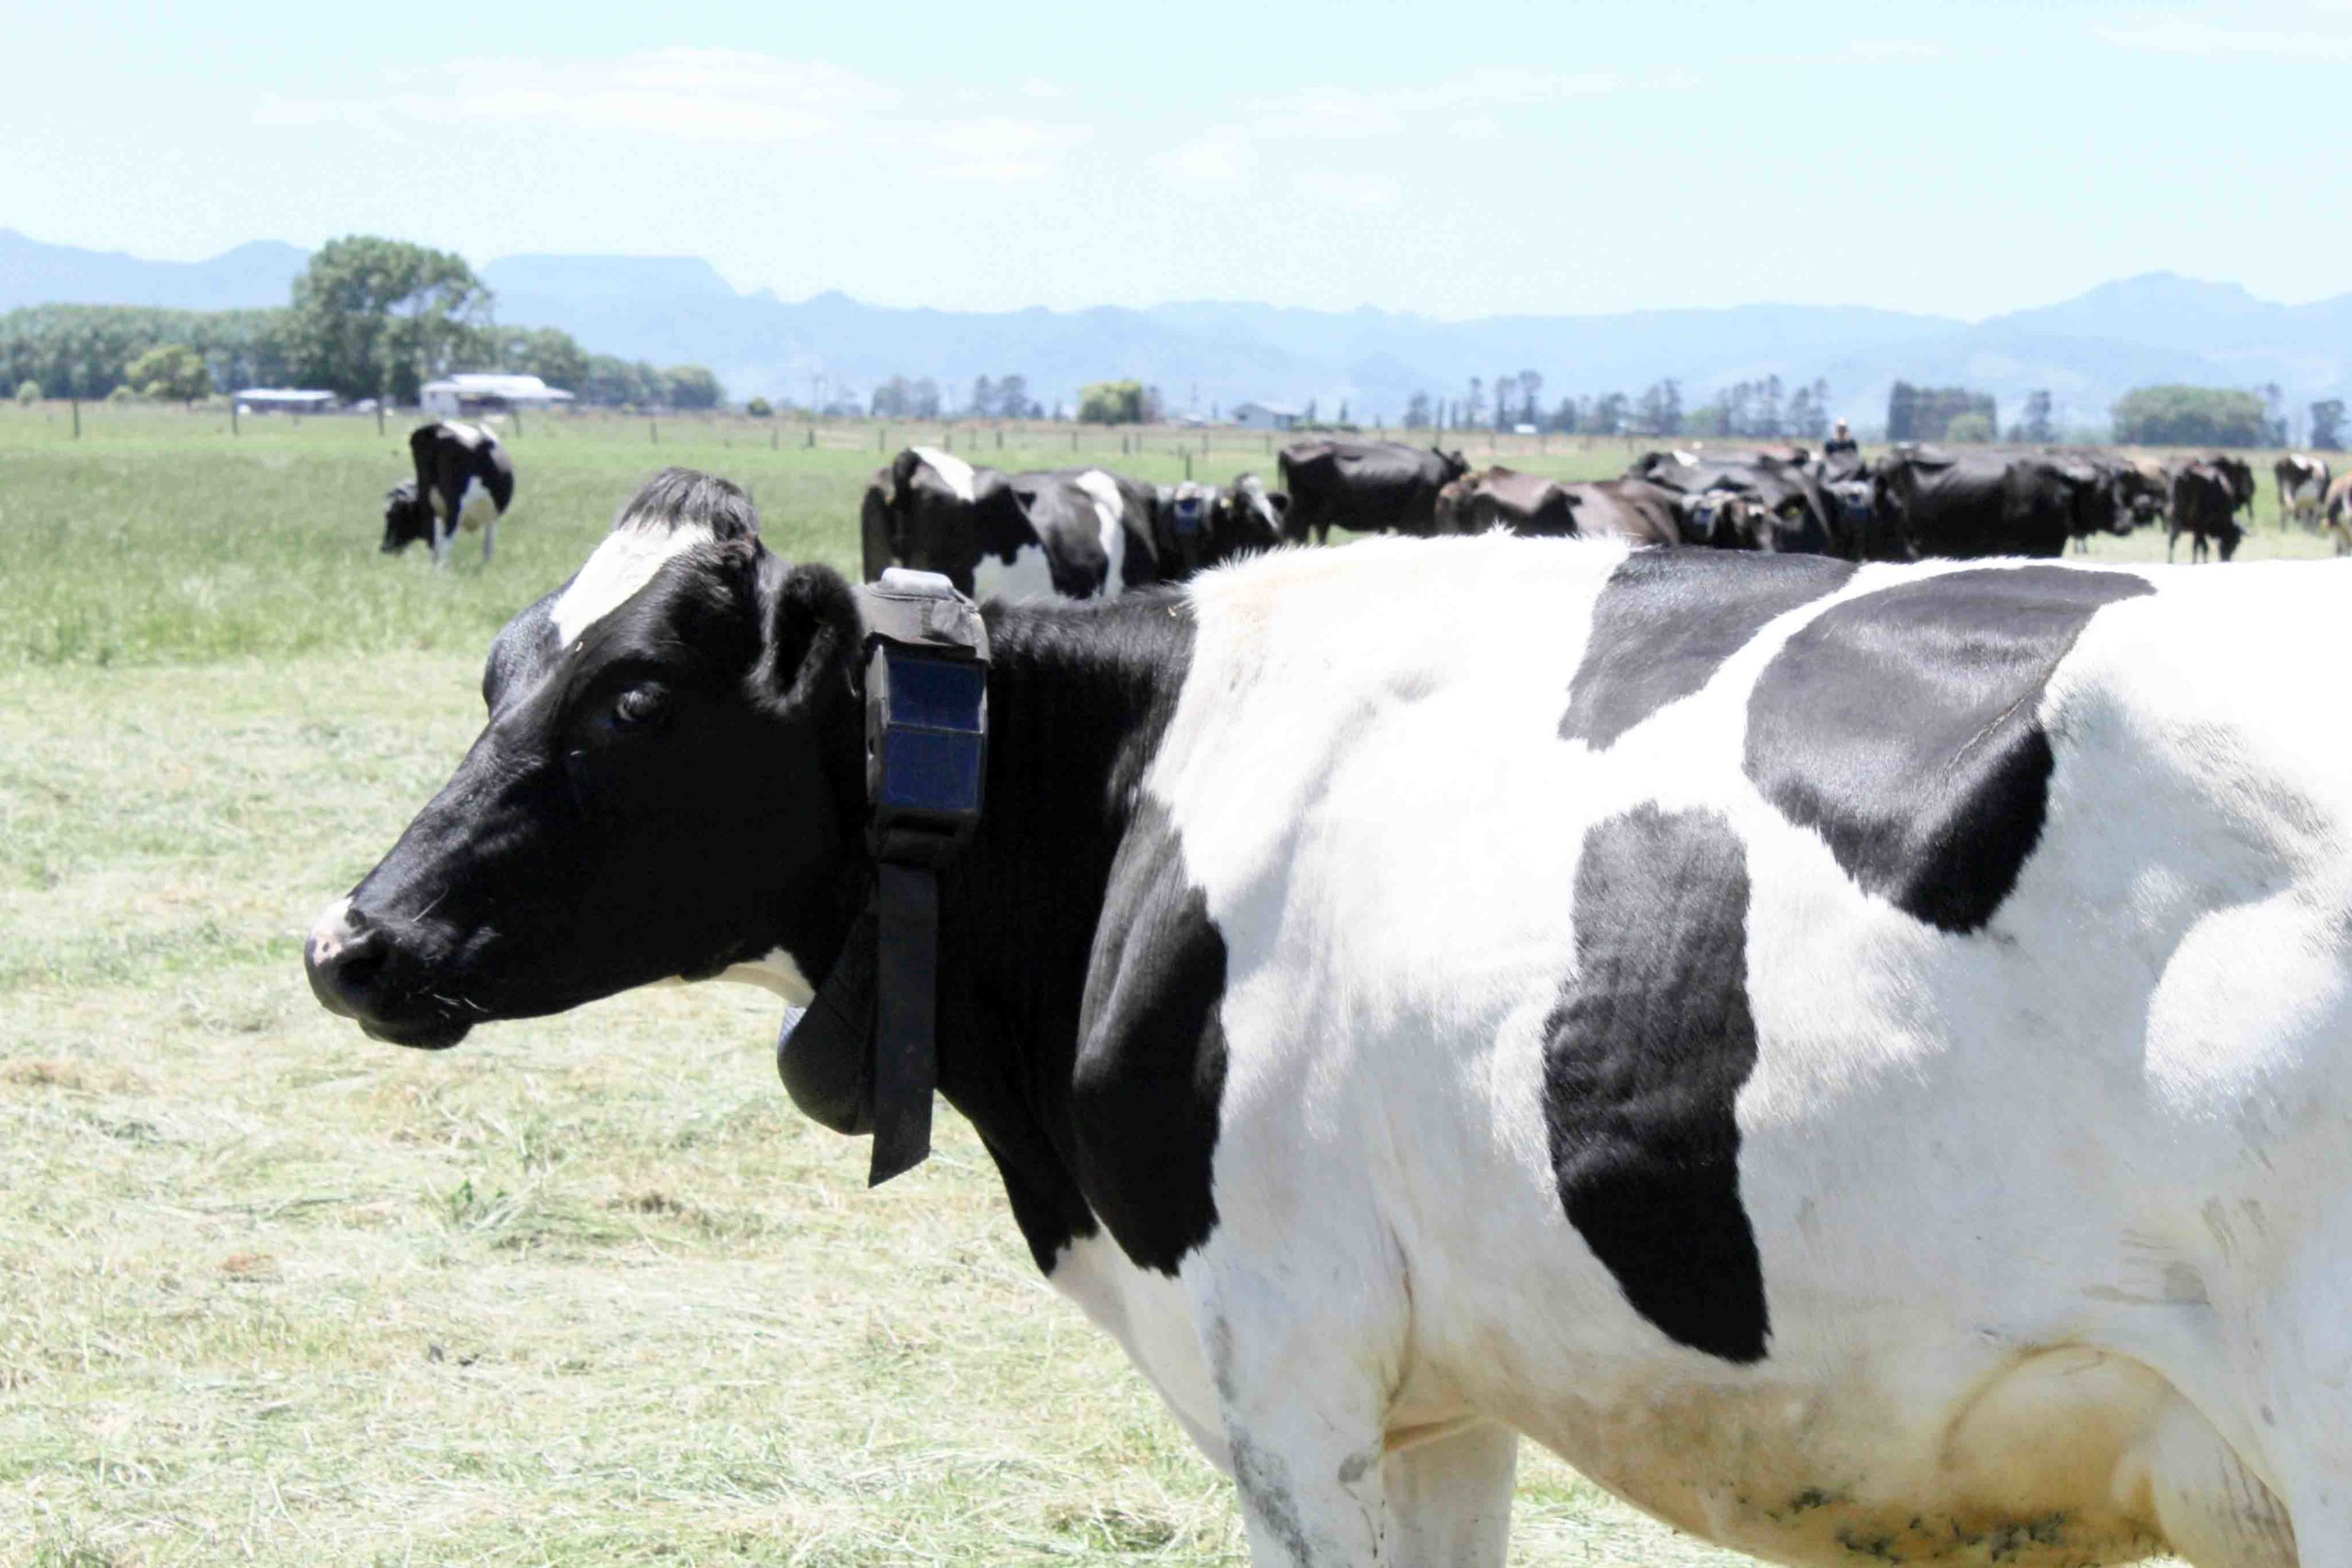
point(584, 1290)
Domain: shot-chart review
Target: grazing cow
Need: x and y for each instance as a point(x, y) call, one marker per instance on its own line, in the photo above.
point(1198, 525)
point(2204, 506)
point(2239, 475)
point(1368, 486)
point(1748, 500)
point(1505, 498)
point(464, 480)
point(2336, 518)
point(2302, 487)
point(1852, 1057)
point(1071, 534)
point(1633, 511)
point(1979, 503)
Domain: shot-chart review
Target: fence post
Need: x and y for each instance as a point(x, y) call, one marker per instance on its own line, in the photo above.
point(812, 438)
point(882, 438)
point(232, 416)
point(1073, 439)
point(1188, 464)
point(379, 414)
point(518, 416)
point(77, 419)
point(652, 430)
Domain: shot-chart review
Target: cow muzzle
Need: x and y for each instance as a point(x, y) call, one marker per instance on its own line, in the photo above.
point(360, 969)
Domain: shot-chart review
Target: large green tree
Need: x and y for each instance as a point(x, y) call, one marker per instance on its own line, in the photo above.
point(549, 352)
point(2190, 416)
point(381, 317)
point(86, 350)
point(690, 387)
point(1111, 402)
point(170, 371)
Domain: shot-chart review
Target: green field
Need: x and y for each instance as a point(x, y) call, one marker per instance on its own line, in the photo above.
point(585, 1291)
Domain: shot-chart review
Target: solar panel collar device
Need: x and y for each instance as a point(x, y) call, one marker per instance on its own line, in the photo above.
point(863, 1058)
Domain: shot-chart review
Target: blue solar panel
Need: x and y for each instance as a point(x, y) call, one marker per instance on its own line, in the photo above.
point(937, 693)
point(930, 770)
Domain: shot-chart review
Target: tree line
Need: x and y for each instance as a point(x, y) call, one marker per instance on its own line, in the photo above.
point(1765, 408)
point(920, 397)
point(369, 318)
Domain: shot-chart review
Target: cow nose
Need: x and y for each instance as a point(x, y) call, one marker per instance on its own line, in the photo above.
point(343, 956)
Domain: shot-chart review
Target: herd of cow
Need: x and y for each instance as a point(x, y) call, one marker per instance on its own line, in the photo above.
point(1080, 533)
point(1083, 533)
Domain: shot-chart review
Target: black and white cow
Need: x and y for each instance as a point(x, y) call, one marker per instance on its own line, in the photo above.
point(464, 480)
point(1199, 526)
point(2302, 486)
point(2336, 514)
point(1070, 533)
point(1856, 1059)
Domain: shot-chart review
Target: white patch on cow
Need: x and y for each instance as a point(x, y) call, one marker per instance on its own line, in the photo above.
point(1150, 1316)
point(2050, 1215)
point(476, 508)
point(1110, 514)
point(626, 561)
point(469, 435)
point(328, 930)
point(776, 971)
point(958, 473)
point(1028, 579)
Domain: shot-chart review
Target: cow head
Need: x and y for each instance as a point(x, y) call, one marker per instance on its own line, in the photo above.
point(1452, 466)
point(1727, 520)
point(1248, 518)
point(1453, 506)
point(407, 520)
point(668, 784)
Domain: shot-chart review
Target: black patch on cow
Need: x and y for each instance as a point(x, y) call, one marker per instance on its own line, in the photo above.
point(1666, 621)
point(1150, 1070)
point(1643, 1057)
point(1901, 726)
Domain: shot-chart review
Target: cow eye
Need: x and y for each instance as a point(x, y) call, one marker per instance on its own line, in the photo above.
point(639, 707)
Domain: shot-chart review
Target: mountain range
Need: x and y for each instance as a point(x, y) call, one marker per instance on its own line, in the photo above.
point(2086, 351)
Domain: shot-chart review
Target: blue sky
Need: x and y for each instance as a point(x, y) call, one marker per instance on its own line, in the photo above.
point(1457, 160)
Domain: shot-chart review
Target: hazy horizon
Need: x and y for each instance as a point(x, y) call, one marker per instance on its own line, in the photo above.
point(1960, 163)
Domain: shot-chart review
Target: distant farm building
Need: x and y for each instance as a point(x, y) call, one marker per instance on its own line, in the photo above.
point(285, 400)
point(1265, 416)
point(470, 391)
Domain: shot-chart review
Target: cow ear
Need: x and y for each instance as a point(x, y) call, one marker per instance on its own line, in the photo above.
point(813, 634)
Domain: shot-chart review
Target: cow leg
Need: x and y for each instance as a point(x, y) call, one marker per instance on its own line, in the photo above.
point(2214, 1512)
point(1303, 1391)
point(1449, 1498)
point(489, 538)
point(442, 527)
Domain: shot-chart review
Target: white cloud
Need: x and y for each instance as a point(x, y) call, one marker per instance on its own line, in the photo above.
point(1355, 193)
point(1337, 114)
point(1219, 157)
point(690, 94)
point(1883, 48)
point(2179, 34)
point(998, 150)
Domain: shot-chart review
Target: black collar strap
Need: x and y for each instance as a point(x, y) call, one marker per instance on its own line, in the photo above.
point(863, 1058)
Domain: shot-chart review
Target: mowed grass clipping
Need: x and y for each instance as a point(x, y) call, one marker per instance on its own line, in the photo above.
point(584, 1290)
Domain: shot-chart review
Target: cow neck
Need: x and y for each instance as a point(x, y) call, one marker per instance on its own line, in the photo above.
point(1078, 701)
